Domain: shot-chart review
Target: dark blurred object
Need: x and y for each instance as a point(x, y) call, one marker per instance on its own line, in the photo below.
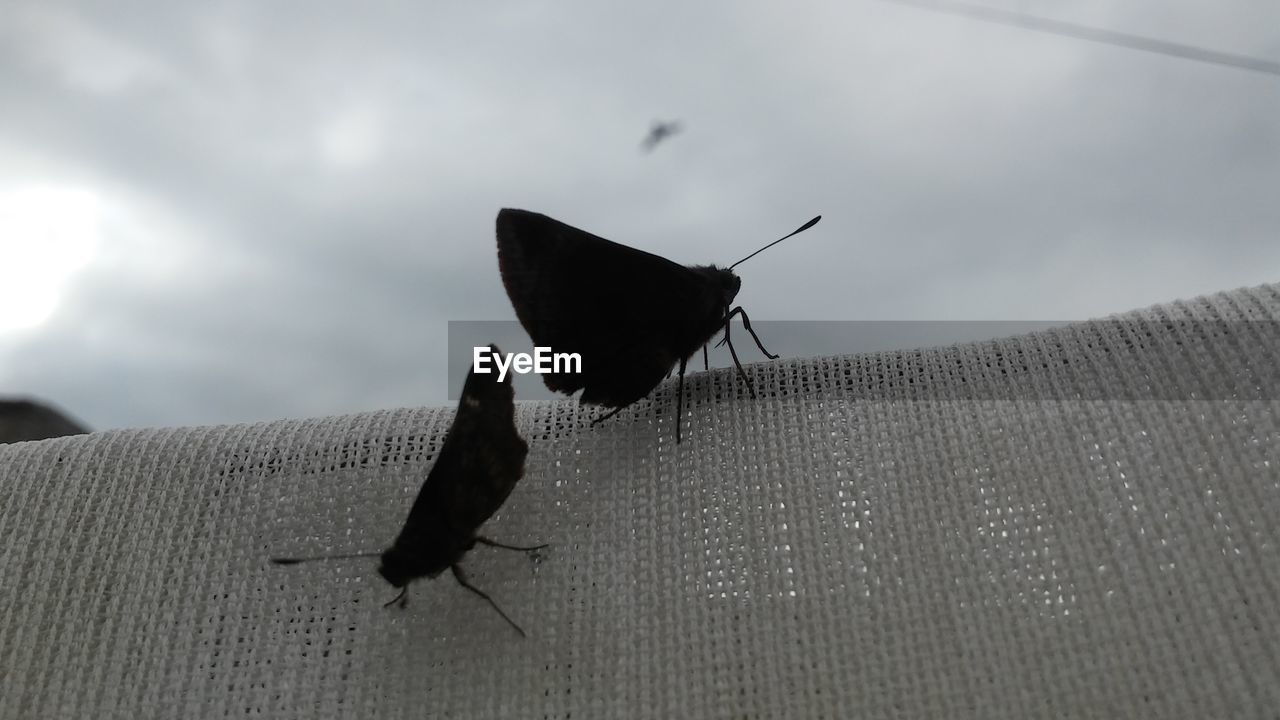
point(30, 420)
point(660, 131)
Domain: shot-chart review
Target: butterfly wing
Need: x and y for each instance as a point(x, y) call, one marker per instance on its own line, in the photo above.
point(479, 464)
point(630, 314)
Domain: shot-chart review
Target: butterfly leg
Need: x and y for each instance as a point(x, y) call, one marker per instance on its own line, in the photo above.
point(607, 415)
point(494, 543)
point(399, 598)
point(746, 323)
point(706, 365)
point(462, 580)
point(736, 362)
point(531, 551)
point(680, 396)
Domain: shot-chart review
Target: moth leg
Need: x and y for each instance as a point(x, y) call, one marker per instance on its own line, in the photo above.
point(399, 598)
point(531, 552)
point(736, 362)
point(462, 580)
point(608, 415)
point(746, 323)
point(705, 364)
point(494, 543)
point(680, 396)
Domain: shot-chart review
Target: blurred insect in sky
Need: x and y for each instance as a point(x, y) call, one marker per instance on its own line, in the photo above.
point(660, 131)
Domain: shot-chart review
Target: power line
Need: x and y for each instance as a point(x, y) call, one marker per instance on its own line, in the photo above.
point(1109, 37)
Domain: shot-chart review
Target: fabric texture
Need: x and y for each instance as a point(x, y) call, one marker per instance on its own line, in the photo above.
point(1079, 522)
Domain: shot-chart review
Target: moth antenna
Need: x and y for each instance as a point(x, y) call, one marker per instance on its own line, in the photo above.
point(801, 229)
point(295, 561)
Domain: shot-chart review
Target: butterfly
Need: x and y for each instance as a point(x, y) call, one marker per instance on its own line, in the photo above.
point(631, 316)
point(659, 132)
point(479, 463)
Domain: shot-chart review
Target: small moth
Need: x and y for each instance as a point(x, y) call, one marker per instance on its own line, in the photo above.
point(479, 463)
point(631, 315)
point(659, 132)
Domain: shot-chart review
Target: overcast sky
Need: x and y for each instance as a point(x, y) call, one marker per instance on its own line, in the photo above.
point(252, 210)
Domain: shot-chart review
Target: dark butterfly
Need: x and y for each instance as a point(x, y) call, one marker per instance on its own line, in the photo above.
point(478, 466)
point(659, 132)
point(629, 314)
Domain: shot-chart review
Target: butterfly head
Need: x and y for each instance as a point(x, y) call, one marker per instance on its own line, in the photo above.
point(400, 565)
point(725, 281)
point(730, 284)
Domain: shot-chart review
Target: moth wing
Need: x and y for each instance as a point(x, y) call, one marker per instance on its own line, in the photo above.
point(580, 293)
point(479, 464)
point(628, 375)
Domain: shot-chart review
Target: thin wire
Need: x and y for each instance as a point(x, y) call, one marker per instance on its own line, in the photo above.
point(1109, 37)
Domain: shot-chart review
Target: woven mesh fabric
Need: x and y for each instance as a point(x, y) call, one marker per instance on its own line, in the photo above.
point(1075, 523)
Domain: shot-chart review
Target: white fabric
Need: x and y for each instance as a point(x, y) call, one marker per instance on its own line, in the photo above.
point(933, 533)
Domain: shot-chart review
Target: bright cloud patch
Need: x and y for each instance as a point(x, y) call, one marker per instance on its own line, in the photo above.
point(47, 233)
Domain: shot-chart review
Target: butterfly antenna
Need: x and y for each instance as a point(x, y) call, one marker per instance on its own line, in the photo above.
point(295, 561)
point(799, 230)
